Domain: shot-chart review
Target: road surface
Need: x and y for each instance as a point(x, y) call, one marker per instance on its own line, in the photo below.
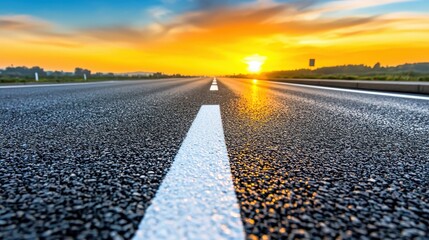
point(245, 159)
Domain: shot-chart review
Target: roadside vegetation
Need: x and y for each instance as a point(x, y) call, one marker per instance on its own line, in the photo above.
point(405, 72)
point(23, 75)
point(72, 79)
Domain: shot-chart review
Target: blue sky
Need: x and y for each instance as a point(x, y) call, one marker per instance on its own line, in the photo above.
point(90, 13)
point(417, 6)
point(97, 12)
point(79, 12)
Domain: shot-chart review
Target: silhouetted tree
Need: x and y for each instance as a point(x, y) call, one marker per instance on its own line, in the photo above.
point(24, 71)
point(80, 72)
point(377, 66)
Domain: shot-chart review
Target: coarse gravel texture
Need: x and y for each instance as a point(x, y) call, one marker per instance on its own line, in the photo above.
point(83, 162)
point(318, 164)
point(196, 199)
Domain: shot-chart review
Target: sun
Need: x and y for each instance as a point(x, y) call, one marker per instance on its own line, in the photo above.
point(254, 66)
point(254, 63)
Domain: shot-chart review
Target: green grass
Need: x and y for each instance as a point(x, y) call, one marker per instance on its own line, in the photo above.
point(25, 80)
point(407, 72)
point(381, 77)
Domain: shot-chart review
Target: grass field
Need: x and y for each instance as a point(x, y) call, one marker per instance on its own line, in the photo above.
point(25, 80)
point(380, 77)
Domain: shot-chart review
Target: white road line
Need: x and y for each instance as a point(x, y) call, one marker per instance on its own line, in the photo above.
point(214, 86)
point(52, 85)
point(196, 200)
point(357, 91)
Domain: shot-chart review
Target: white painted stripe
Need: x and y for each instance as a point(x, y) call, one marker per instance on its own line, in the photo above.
point(52, 85)
point(357, 91)
point(196, 200)
point(214, 88)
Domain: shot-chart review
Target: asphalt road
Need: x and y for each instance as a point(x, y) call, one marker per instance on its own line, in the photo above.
point(85, 161)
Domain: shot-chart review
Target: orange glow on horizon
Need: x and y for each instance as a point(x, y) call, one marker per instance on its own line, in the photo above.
point(254, 63)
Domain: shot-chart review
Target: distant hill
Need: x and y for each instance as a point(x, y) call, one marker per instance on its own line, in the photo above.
point(409, 71)
point(360, 69)
point(413, 67)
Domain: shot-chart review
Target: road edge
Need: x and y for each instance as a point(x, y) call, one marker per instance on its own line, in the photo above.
point(404, 87)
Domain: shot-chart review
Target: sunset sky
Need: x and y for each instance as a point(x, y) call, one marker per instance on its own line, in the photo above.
point(211, 37)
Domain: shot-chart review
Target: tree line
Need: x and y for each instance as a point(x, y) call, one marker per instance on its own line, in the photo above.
point(27, 74)
point(409, 71)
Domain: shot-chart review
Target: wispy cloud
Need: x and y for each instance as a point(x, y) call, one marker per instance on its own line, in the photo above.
point(29, 26)
point(257, 19)
point(158, 13)
point(210, 4)
point(337, 5)
point(23, 23)
point(222, 29)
